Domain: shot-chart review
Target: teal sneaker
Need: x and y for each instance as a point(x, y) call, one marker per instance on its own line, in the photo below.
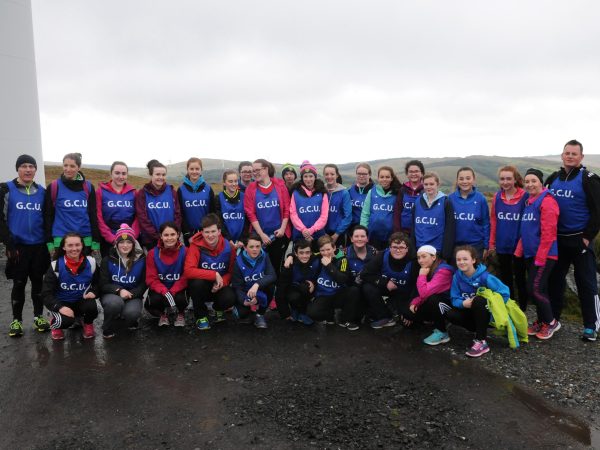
point(203, 324)
point(589, 334)
point(436, 338)
point(41, 324)
point(16, 328)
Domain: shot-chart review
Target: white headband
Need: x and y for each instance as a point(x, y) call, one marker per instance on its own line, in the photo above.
point(427, 249)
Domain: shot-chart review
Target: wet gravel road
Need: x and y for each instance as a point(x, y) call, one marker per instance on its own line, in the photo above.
point(291, 387)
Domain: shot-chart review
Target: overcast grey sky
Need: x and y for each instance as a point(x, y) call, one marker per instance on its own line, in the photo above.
point(329, 81)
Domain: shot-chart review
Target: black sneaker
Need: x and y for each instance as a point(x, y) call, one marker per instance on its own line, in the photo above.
point(349, 326)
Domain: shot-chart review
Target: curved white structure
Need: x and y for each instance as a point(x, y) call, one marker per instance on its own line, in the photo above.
point(19, 107)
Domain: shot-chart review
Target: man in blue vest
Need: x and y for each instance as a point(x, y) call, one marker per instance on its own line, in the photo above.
point(22, 232)
point(577, 192)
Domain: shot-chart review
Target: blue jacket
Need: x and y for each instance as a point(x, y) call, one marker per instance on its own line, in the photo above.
point(464, 287)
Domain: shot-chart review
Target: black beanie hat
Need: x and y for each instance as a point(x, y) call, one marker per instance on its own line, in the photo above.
point(538, 173)
point(26, 159)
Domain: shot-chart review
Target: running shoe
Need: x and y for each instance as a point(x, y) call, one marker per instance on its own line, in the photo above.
point(437, 337)
point(294, 316)
point(57, 334)
point(305, 319)
point(163, 321)
point(349, 326)
point(16, 328)
point(219, 316)
point(273, 304)
point(260, 322)
point(88, 331)
point(203, 324)
point(107, 334)
point(179, 320)
point(41, 324)
point(478, 349)
point(548, 330)
point(534, 328)
point(589, 335)
point(381, 323)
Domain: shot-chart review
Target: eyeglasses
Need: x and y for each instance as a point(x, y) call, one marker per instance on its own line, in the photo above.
point(399, 247)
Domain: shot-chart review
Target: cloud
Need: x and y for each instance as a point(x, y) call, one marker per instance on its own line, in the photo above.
point(314, 76)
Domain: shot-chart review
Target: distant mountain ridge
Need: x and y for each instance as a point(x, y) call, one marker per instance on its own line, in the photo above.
point(485, 167)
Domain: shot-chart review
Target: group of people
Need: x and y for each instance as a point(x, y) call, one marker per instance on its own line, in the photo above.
point(378, 252)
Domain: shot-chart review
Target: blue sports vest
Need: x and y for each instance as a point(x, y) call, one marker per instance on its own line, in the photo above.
point(571, 199)
point(267, 210)
point(118, 208)
point(469, 219)
point(160, 208)
point(252, 274)
point(336, 213)
point(299, 276)
point(357, 200)
point(218, 263)
point(127, 280)
point(233, 216)
point(25, 215)
point(430, 223)
point(70, 212)
point(531, 229)
point(168, 274)
point(309, 211)
point(355, 264)
point(326, 285)
point(194, 205)
point(71, 288)
point(381, 219)
point(508, 223)
point(400, 279)
point(408, 203)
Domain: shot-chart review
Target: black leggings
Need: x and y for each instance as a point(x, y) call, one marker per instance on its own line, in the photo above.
point(27, 262)
point(297, 296)
point(377, 307)
point(200, 292)
point(276, 250)
point(323, 308)
point(433, 309)
point(512, 273)
point(476, 318)
point(537, 285)
point(85, 308)
point(156, 303)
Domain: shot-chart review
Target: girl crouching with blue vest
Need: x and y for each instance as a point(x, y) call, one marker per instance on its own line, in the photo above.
point(253, 280)
point(469, 309)
point(297, 282)
point(70, 288)
point(122, 281)
point(333, 290)
point(392, 274)
point(165, 278)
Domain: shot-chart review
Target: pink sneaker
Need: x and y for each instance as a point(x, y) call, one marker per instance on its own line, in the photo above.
point(179, 320)
point(57, 334)
point(548, 330)
point(88, 331)
point(163, 321)
point(478, 349)
point(534, 328)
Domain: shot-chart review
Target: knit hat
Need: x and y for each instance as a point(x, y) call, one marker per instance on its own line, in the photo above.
point(124, 233)
point(427, 249)
point(307, 167)
point(26, 159)
point(538, 173)
point(287, 167)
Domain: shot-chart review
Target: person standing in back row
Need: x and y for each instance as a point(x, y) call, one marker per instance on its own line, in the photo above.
point(22, 232)
point(577, 192)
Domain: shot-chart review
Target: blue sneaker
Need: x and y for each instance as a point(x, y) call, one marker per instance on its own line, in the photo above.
point(303, 318)
point(203, 324)
point(235, 313)
point(294, 316)
point(381, 323)
point(260, 321)
point(589, 334)
point(436, 338)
